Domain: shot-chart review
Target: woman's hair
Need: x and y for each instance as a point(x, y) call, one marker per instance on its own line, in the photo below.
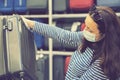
point(109, 47)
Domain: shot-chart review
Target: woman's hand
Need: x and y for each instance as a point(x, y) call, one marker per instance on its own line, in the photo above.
point(28, 23)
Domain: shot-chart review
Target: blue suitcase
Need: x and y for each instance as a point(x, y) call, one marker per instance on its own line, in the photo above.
point(6, 6)
point(20, 6)
point(39, 39)
point(115, 5)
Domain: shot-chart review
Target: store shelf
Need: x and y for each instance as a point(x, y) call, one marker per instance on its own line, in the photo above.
point(30, 16)
point(63, 53)
point(69, 15)
point(36, 16)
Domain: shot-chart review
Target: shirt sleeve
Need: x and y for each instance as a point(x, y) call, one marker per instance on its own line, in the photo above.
point(59, 34)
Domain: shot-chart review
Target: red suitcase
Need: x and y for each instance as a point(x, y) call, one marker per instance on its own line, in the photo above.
point(82, 26)
point(80, 5)
point(67, 60)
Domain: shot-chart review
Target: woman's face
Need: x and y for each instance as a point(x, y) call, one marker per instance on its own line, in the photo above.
point(91, 31)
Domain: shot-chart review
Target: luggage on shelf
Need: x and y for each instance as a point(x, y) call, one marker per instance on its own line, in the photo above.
point(20, 6)
point(80, 5)
point(39, 39)
point(20, 48)
point(67, 61)
point(115, 5)
point(6, 6)
point(58, 67)
point(37, 6)
point(60, 6)
point(42, 67)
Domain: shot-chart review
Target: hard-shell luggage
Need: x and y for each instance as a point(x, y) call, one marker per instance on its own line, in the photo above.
point(67, 61)
point(2, 55)
point(60, 6)
point(42, 67)
point(6, 6)
point(20, 49)
point(37, 6)
point(39, 39)
point(82, 26)
point(115, 5)
point(80, 5)
point(20, 6)
point(58, 67)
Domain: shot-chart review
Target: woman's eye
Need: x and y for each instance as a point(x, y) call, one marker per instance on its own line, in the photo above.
point(90, 31)
point(87, 28)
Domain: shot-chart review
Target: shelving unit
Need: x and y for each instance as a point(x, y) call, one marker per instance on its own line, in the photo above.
point(50, 16)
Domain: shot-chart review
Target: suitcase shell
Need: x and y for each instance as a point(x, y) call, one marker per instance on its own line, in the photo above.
point(59, 6)
point(2, 55)
point(43, 67)
point(80, 5)
point(58, 67)
point(115, 5)
point(20, 6)
point(37, 6)
point(20, 48)
point(6, 6)
point(67, 61)
point(39, 39)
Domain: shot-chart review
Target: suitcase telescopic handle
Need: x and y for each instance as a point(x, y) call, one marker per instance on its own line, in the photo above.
point(6, 26)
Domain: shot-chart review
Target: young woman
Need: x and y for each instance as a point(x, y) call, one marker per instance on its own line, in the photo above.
point(98, 53)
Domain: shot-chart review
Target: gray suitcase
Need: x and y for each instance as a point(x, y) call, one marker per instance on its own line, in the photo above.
point(20, 49)
point(115, 5)
point(43, 67)
point(37, 6)
point(2, 61)
point(58, 67)
point(59, 6)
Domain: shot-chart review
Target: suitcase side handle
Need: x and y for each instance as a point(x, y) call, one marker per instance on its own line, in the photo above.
point(6, 23)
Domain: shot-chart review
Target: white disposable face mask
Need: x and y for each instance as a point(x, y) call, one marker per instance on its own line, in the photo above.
point(89, 36)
